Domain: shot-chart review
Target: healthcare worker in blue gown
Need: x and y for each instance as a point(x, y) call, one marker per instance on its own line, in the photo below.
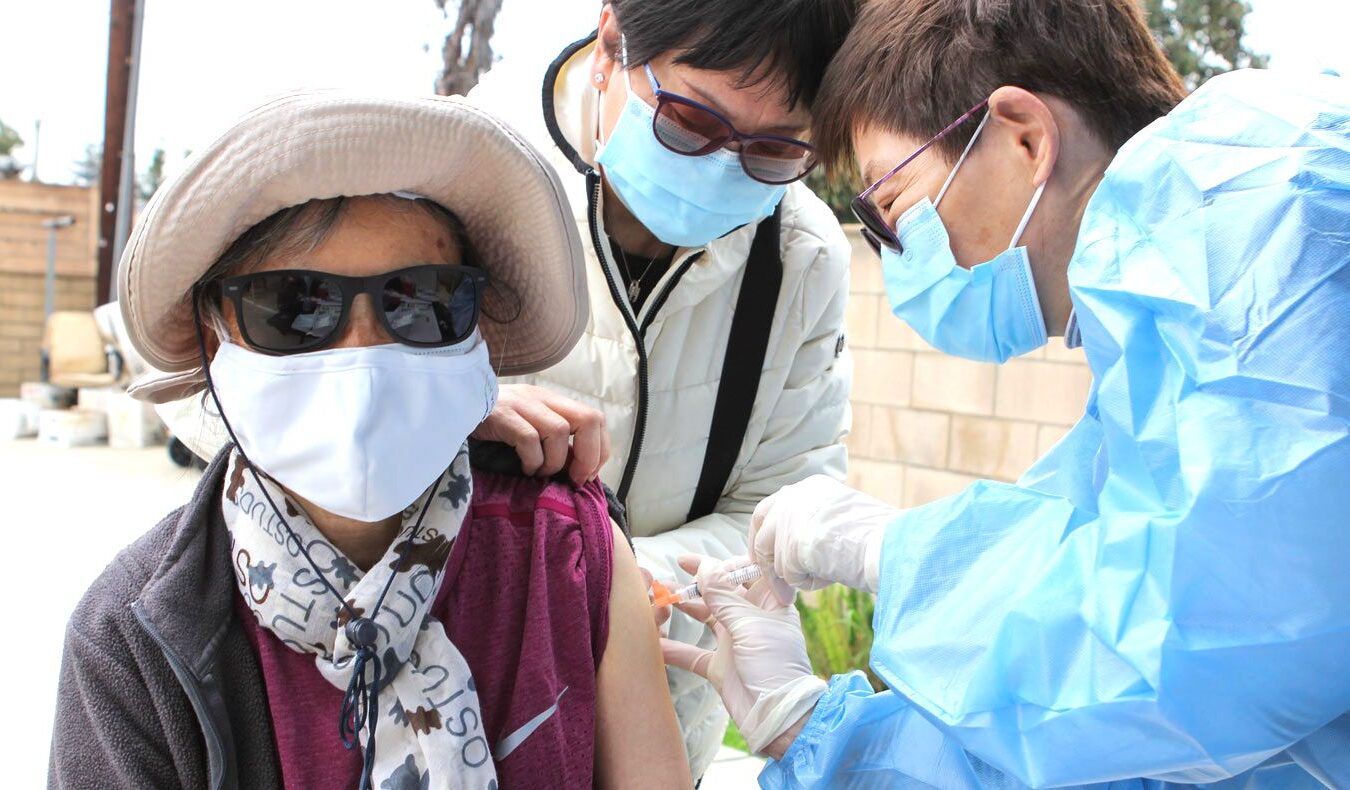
point(1163, 598)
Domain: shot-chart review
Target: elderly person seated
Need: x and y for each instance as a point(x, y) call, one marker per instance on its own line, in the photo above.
point(348, 600)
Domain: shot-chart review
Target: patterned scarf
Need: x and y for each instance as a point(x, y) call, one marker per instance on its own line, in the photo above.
point(428, 727)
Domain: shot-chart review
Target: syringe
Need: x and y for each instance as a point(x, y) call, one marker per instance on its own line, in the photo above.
point(664, 596)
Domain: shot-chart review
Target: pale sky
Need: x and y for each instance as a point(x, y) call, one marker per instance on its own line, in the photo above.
point(205, 63)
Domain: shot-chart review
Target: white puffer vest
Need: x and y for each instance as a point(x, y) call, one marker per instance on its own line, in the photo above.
point(655, 372)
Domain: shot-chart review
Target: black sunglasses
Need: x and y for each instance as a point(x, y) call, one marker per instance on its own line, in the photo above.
point(294, 310)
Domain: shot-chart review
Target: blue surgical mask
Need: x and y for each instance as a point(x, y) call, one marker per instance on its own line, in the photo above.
point(686, 201)
point(988, 312)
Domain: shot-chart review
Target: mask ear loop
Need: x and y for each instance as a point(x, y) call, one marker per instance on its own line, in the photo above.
point(628, 83)
point(952, 175)
point(597, 142)
point(1031, 207)
point(1026, 217)
point(361, 698)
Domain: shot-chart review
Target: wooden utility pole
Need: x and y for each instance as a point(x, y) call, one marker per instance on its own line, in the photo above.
point(120, 31)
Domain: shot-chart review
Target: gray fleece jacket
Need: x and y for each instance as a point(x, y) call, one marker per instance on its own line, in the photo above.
point(159, 685)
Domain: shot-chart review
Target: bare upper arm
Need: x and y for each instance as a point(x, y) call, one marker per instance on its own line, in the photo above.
point(638, 741)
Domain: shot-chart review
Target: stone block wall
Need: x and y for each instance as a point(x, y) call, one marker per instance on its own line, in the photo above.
point(23, 266)
point(925, 424)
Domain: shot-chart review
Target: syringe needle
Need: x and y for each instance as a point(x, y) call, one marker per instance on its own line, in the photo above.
point(664, 596)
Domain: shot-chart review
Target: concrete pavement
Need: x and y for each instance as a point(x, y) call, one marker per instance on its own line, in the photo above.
point(66, 513)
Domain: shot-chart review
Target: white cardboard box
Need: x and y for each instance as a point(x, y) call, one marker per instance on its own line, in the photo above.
point(132, 423)
point(95, 398)
point(72, 427)
point(47, 396)
point(18, 418)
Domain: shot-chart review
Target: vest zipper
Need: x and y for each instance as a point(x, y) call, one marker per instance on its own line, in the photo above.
point(639, 332)
point(219, 767)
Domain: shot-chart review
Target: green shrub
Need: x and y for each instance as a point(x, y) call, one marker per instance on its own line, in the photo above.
point(837, 622)
point(734, 739)
point(836, 193)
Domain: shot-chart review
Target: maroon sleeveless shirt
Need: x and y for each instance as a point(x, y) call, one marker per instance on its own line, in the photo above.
point(526, 600)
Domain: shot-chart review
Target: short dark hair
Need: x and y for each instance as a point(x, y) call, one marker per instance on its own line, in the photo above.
point(914, 66)
point(791, 41)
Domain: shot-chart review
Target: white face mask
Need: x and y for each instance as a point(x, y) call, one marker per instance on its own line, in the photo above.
point(360, 432)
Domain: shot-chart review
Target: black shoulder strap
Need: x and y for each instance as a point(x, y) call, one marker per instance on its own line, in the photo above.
point(746, 346)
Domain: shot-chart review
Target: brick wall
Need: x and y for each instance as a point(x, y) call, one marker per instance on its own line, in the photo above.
point(23, 266)
point(926, 424)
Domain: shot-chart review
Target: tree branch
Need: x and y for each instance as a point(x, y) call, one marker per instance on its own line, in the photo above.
point(463, 64)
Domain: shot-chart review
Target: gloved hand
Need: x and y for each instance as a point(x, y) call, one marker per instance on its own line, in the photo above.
point(820, 531)
point(760, 666)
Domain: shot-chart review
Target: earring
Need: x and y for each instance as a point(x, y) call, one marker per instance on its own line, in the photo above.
point(598, 78)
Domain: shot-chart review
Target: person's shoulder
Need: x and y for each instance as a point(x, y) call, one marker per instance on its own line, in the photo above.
point(501, 489)
point(499, 482)
point(1239, 120)
point(546, 526)
point(498, 466)
point(817, 255)
point(554, 509)
point(104, 614)
point(811, 232)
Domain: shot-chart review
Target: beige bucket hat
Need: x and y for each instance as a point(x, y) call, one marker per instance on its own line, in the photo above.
point(323, 144)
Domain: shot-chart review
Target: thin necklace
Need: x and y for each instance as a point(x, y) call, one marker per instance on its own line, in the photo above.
point(635, 283)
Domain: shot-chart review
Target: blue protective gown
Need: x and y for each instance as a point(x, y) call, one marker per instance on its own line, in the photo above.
point(1167, 593)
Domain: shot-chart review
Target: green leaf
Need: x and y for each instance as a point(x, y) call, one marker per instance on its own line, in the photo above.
point(734, 739)
point(837, 622)
point(9, 139)
point(1202, 38)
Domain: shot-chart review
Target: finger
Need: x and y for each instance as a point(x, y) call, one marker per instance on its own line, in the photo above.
point(660, 614)
point(690, 563)
point(605, 449)
point(585, 463)
point(761, 537)
point(646, 580)
point(723, 572)
point(687, 657)
point(771, 593)
point(698, 610)
point(515, 430)
point(757, 518)
point(590, 438)
point(782, 591)
point(554, 432)
point(557, 449)
point(721, 590)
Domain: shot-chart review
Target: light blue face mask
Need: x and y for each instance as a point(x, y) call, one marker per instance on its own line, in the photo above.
point(989, 312)
point(686, 201)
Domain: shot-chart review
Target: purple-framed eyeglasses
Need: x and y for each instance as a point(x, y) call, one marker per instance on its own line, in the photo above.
point(693, 129)
point(874, 227)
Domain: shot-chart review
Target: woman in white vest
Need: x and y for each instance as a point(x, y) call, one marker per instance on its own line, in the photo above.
point(680, 130)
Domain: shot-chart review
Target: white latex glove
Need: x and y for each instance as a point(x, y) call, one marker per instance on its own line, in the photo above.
point(760, 666)
point(820, 531)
